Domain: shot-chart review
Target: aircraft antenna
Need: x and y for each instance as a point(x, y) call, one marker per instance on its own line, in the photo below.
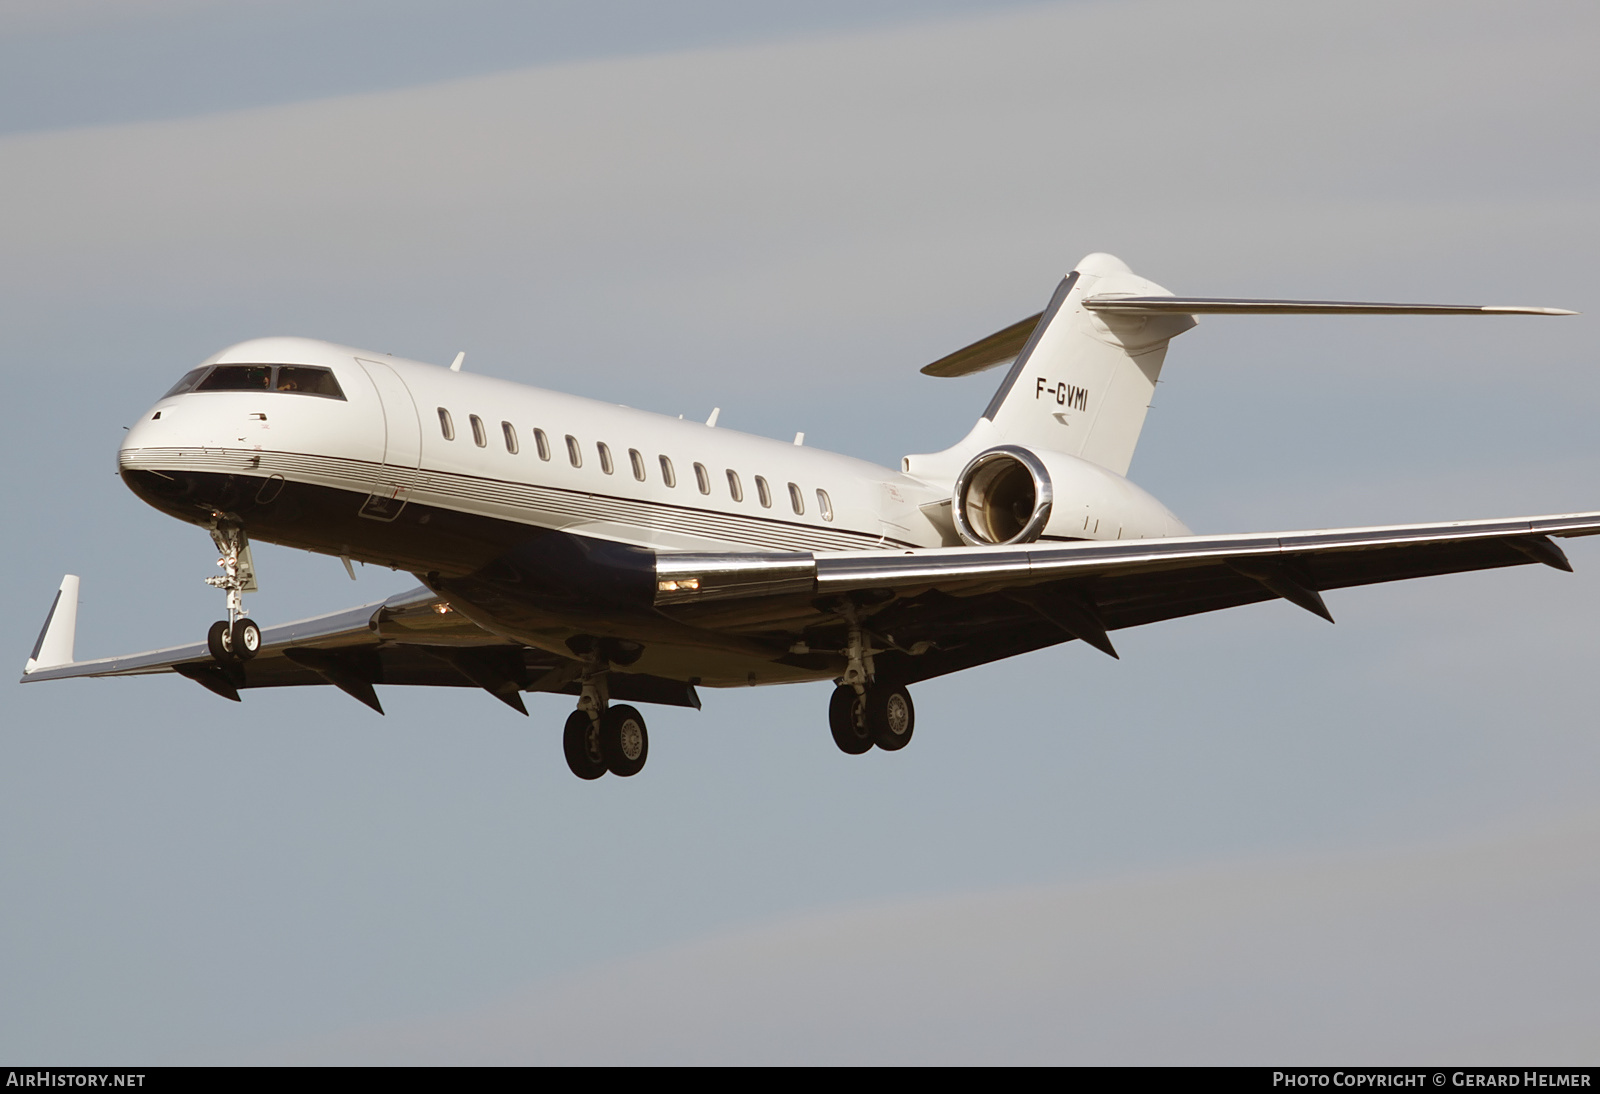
point(455, 366)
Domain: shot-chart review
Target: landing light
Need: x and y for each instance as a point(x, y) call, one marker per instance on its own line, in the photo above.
point(687, 584)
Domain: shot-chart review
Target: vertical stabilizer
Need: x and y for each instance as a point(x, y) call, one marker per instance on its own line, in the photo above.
point(1083, 381)
point(56, 640)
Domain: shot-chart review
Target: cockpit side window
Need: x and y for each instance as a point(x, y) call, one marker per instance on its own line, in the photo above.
point(290, 379)
point(306, 380)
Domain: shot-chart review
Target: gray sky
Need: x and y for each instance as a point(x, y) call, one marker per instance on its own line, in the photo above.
point(786, 216)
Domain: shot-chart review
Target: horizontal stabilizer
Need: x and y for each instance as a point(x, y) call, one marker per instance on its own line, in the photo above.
point(999, 348)
point(1221, 305)
point(1002, 347)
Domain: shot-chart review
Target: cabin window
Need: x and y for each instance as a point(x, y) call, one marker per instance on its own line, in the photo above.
point(446, 426)
point(638, 463)
point(763, 492)
point(509, 432)
point(605, 457)
point(542, 443)
point(797, 500)
point(702, 478)
point(824, 506)
point(668, 476)
point(574, 453)
point(734, 487)
point(479, 437)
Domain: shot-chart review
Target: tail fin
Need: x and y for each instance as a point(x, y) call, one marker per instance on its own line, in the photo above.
point(1084, 380)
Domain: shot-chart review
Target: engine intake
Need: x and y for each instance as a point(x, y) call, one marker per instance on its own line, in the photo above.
point(1003, 496)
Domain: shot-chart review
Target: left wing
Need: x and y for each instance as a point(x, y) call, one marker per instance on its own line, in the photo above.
point(946, 609)
point(410, 638)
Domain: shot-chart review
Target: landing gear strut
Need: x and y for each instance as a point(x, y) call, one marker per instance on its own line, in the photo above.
point(600, 737)
point(864, 711)
point(237, 638)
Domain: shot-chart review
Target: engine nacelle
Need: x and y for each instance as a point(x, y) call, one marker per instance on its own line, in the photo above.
point(1012, 494)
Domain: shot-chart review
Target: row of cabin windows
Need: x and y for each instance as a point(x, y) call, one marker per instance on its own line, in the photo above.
point(636, 461)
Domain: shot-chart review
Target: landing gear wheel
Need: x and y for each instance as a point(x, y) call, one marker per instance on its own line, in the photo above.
point(890, 716)
point(845, 719)
point(246, 639)
point(623, 736)
point(219, 640)
point(581, 742)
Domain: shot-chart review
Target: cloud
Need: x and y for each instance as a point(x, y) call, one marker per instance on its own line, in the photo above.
point(1473, 953)
point(863, 171)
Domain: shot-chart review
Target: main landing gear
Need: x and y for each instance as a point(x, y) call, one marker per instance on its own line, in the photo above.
point(881, 714)
point(863, 711)
point(235, 639)
point(600, 737)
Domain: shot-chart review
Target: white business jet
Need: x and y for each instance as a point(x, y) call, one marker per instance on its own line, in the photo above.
point(566, 545)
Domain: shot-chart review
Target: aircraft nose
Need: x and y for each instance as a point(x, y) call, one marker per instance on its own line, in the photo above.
point(142, 433)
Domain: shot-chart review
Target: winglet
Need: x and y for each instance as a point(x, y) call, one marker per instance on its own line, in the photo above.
point(60, 631)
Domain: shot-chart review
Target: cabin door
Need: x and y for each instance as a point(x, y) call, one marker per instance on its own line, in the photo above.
point(402, 444)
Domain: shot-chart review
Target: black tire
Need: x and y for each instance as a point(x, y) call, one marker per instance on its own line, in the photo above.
point(845, 720)
point(581, 742)
point(626, 743)
point(890, 716)
point(219, 640)
point(246, 639)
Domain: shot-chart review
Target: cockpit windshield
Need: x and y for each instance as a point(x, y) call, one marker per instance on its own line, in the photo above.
point(293, 379)
point(237, 378)
point(190, 379)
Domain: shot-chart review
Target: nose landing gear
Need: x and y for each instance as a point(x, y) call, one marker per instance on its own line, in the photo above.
point(237, 638)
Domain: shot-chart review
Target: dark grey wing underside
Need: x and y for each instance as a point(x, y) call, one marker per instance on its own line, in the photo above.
point(944, 610)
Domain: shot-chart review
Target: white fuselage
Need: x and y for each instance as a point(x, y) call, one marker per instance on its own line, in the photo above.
point(532, 511)
point(388, 435)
